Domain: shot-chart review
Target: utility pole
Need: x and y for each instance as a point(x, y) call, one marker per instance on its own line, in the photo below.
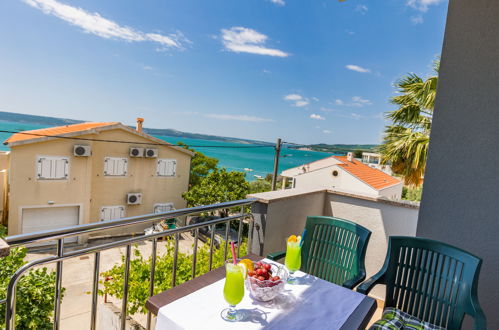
point(276, 162)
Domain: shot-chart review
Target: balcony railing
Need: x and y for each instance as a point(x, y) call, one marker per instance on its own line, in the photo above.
point(60, 234)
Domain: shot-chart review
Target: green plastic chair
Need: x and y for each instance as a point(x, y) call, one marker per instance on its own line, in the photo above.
point(334, 250)
point(430, 280)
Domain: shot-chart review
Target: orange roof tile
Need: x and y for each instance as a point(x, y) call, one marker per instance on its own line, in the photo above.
point(373, 177)
point(59, 130)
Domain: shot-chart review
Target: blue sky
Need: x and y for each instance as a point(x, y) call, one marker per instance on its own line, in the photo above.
point(306, 71)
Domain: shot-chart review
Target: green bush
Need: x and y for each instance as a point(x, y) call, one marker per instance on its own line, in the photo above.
point(412, 193)
point(35, 292)
point(140, 269)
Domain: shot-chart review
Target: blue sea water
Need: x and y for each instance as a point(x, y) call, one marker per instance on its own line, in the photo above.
point(260, 160)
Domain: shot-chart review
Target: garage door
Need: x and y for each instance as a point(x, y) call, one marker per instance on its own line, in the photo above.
point(49, 218)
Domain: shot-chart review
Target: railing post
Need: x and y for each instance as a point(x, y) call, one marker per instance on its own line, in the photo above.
point(227, 229)
point(195, 253)
point(124, 302)
point(58, 285)
point(175, 259)
point(151, 279)
point(212, 238)
point(95, 291)
point(240, 232)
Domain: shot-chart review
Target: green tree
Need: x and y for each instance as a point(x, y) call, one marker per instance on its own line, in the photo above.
point(405, 142)
point(35, 292)
point(258, 186)
point(201, 165)
point(218, 186)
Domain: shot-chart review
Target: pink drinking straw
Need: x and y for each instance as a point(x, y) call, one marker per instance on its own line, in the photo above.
point(233, 252)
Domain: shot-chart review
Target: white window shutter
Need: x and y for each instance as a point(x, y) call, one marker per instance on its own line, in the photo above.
point(52, 168)
point(166, 167)
point(112, 212)
point(115, 166)
point(164, 207)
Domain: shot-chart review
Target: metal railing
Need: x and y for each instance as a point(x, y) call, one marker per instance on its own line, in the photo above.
point(60, 234)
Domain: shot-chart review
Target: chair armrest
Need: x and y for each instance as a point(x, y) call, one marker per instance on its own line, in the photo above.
point(479, 319)
point(276, 255)
point(365, 287)
point(351, 283)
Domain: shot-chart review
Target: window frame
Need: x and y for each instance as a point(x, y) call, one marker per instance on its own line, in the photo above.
point(122, 207)
point(172, 207)
point(159, 160)
point(106, 174)
point(38, 168)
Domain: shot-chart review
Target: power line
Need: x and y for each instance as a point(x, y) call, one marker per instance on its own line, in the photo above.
point(129, 142)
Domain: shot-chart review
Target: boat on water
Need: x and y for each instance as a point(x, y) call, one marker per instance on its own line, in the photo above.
point(258, 176)
point(247, 169)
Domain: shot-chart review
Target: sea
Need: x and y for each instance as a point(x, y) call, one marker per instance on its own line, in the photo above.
point(255, 162)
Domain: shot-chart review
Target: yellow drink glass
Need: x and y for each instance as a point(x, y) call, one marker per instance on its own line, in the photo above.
point(293, 259)
point(233, 290)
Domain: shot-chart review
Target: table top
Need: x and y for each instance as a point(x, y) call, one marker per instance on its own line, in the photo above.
point(358, 318)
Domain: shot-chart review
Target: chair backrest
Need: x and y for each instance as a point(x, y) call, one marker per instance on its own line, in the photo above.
point(334, 250)
point(431, 280)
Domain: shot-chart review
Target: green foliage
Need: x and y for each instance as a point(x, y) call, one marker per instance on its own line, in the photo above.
point(357, 153)
point(405, 143)
point(201, 165)
point(412, 193)
point(217, 187)
point(35, 292)
point(258, 186)
point(140, 269)
point(3, 231)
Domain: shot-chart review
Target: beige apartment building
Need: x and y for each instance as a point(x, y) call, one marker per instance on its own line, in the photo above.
point(83, 173)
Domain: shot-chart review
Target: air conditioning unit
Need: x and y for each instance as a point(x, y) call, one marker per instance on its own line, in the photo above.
point(136, 152)
point(151, 153)
point(134, 198)
point(82, 151)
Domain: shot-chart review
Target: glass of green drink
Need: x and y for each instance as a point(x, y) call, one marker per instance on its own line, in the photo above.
point(293, 259)
point(233, 290)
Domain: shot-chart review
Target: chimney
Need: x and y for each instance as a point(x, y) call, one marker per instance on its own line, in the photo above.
point(139, 124)
point(350, 156)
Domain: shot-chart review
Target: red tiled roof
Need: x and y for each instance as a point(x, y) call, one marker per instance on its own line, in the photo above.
point(59, 130)
point(373, 177)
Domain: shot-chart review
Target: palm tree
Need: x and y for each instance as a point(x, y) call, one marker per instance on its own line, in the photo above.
point(405, 142)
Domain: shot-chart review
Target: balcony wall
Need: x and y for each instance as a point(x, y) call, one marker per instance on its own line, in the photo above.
point(279, 214)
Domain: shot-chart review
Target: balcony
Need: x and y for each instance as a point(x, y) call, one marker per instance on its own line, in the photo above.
point(274, 216)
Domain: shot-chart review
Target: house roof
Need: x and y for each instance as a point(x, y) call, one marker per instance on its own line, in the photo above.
point(51, 131)
point(373, 177)
point(68, 131)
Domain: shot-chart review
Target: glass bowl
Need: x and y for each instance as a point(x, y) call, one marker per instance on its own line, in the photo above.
point(267, 290)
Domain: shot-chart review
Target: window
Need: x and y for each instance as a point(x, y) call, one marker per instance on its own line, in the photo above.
point(52, 168)
point(115, 166)
point(112, 212)
point(166, 167)
point(165, 207)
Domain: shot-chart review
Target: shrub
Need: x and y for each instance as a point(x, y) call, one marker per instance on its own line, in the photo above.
point(35, 292)
point(412, 193)
point(140, 267)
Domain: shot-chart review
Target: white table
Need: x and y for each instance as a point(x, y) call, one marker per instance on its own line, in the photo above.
point(312, 303)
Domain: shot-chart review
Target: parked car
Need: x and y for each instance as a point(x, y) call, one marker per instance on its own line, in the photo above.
point(205, 232)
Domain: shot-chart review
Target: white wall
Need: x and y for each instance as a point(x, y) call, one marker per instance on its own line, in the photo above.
point(393, 192)
point(323, 178)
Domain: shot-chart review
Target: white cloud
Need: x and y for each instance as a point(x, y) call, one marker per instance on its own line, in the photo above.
point(316, 99)
point(360, 101)
point(278, 2)
point(317, 117)
point(293, 97)
point(326, 131)
point(418, 19)
point(357, 68)
point(95, 24)
point(147, 67)
point(239, 118)
point(357, 101)
point(422, 5)
point(297, 100)
point(362, 9)
point(239, 39)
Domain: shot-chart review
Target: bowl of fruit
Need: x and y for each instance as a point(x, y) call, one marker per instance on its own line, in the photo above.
point(266, 280)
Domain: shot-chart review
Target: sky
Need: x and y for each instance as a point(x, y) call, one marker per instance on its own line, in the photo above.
point(316, 71)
